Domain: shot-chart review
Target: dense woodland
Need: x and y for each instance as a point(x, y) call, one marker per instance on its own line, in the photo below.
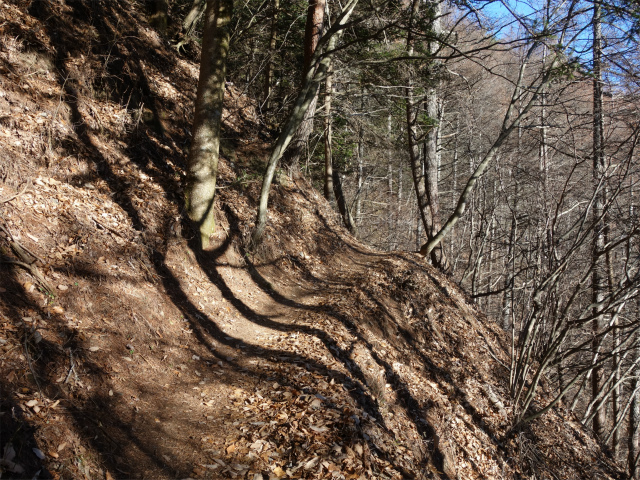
point(498, 139)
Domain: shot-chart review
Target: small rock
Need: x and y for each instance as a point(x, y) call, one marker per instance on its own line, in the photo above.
point(39, 453)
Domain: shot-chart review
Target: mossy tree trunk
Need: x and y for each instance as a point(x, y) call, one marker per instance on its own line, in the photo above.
point(202, 165)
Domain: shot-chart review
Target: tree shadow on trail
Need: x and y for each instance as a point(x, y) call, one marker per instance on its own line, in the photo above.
point(356, 383)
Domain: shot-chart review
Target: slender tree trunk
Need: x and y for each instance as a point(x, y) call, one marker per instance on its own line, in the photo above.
point(202, 165)
point(343, 207)
point(599, 274)
point(507, 300)
point(268, 74)
point(360, 173)
point(328, 155)
point(633, 435)
point(398, 208)
point(432, 160)
point(313, 32)
point(415, 157)
point(390, 204)
point(616, 399)
point(191, 20)
point(333, 180)
point(454, 189)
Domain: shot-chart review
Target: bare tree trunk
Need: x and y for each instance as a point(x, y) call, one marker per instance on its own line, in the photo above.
point(190, 21)
point(398, 208)
point(425, 159)
point(313, 32)
point(202, 165)
point(343, 207)
point(328, 160)
point(268, 74)
point(415, 158)
point(360, 174)
point(616, 399)
point(432, 161)
point(507, 300)
point(633, 436)
point(390, 204)
point(454, 189)
point(599, 274)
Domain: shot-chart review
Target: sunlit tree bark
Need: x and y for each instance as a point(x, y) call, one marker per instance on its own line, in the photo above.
point(202, 165)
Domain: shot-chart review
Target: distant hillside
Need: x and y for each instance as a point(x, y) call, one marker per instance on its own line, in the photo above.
point(124, 354)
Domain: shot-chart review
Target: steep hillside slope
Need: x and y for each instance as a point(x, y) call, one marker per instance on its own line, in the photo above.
point(124, 354)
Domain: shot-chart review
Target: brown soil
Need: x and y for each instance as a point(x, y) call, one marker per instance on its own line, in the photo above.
point(315, 357)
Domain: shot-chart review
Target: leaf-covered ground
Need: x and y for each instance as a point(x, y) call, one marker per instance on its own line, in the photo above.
point(124, 354)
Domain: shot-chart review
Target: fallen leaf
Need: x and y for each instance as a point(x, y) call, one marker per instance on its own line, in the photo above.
point(311, 463)
point(279, 472)
point(63, 288)
point(318, 429)
point(32, 403)
point(198, 471)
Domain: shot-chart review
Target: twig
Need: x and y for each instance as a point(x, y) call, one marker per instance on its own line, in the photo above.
point(34, 272)
point(71, 369)
point(109, 229)
point(13, 197)
point(20, 249)
point(148, 324)
point(6, 352)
